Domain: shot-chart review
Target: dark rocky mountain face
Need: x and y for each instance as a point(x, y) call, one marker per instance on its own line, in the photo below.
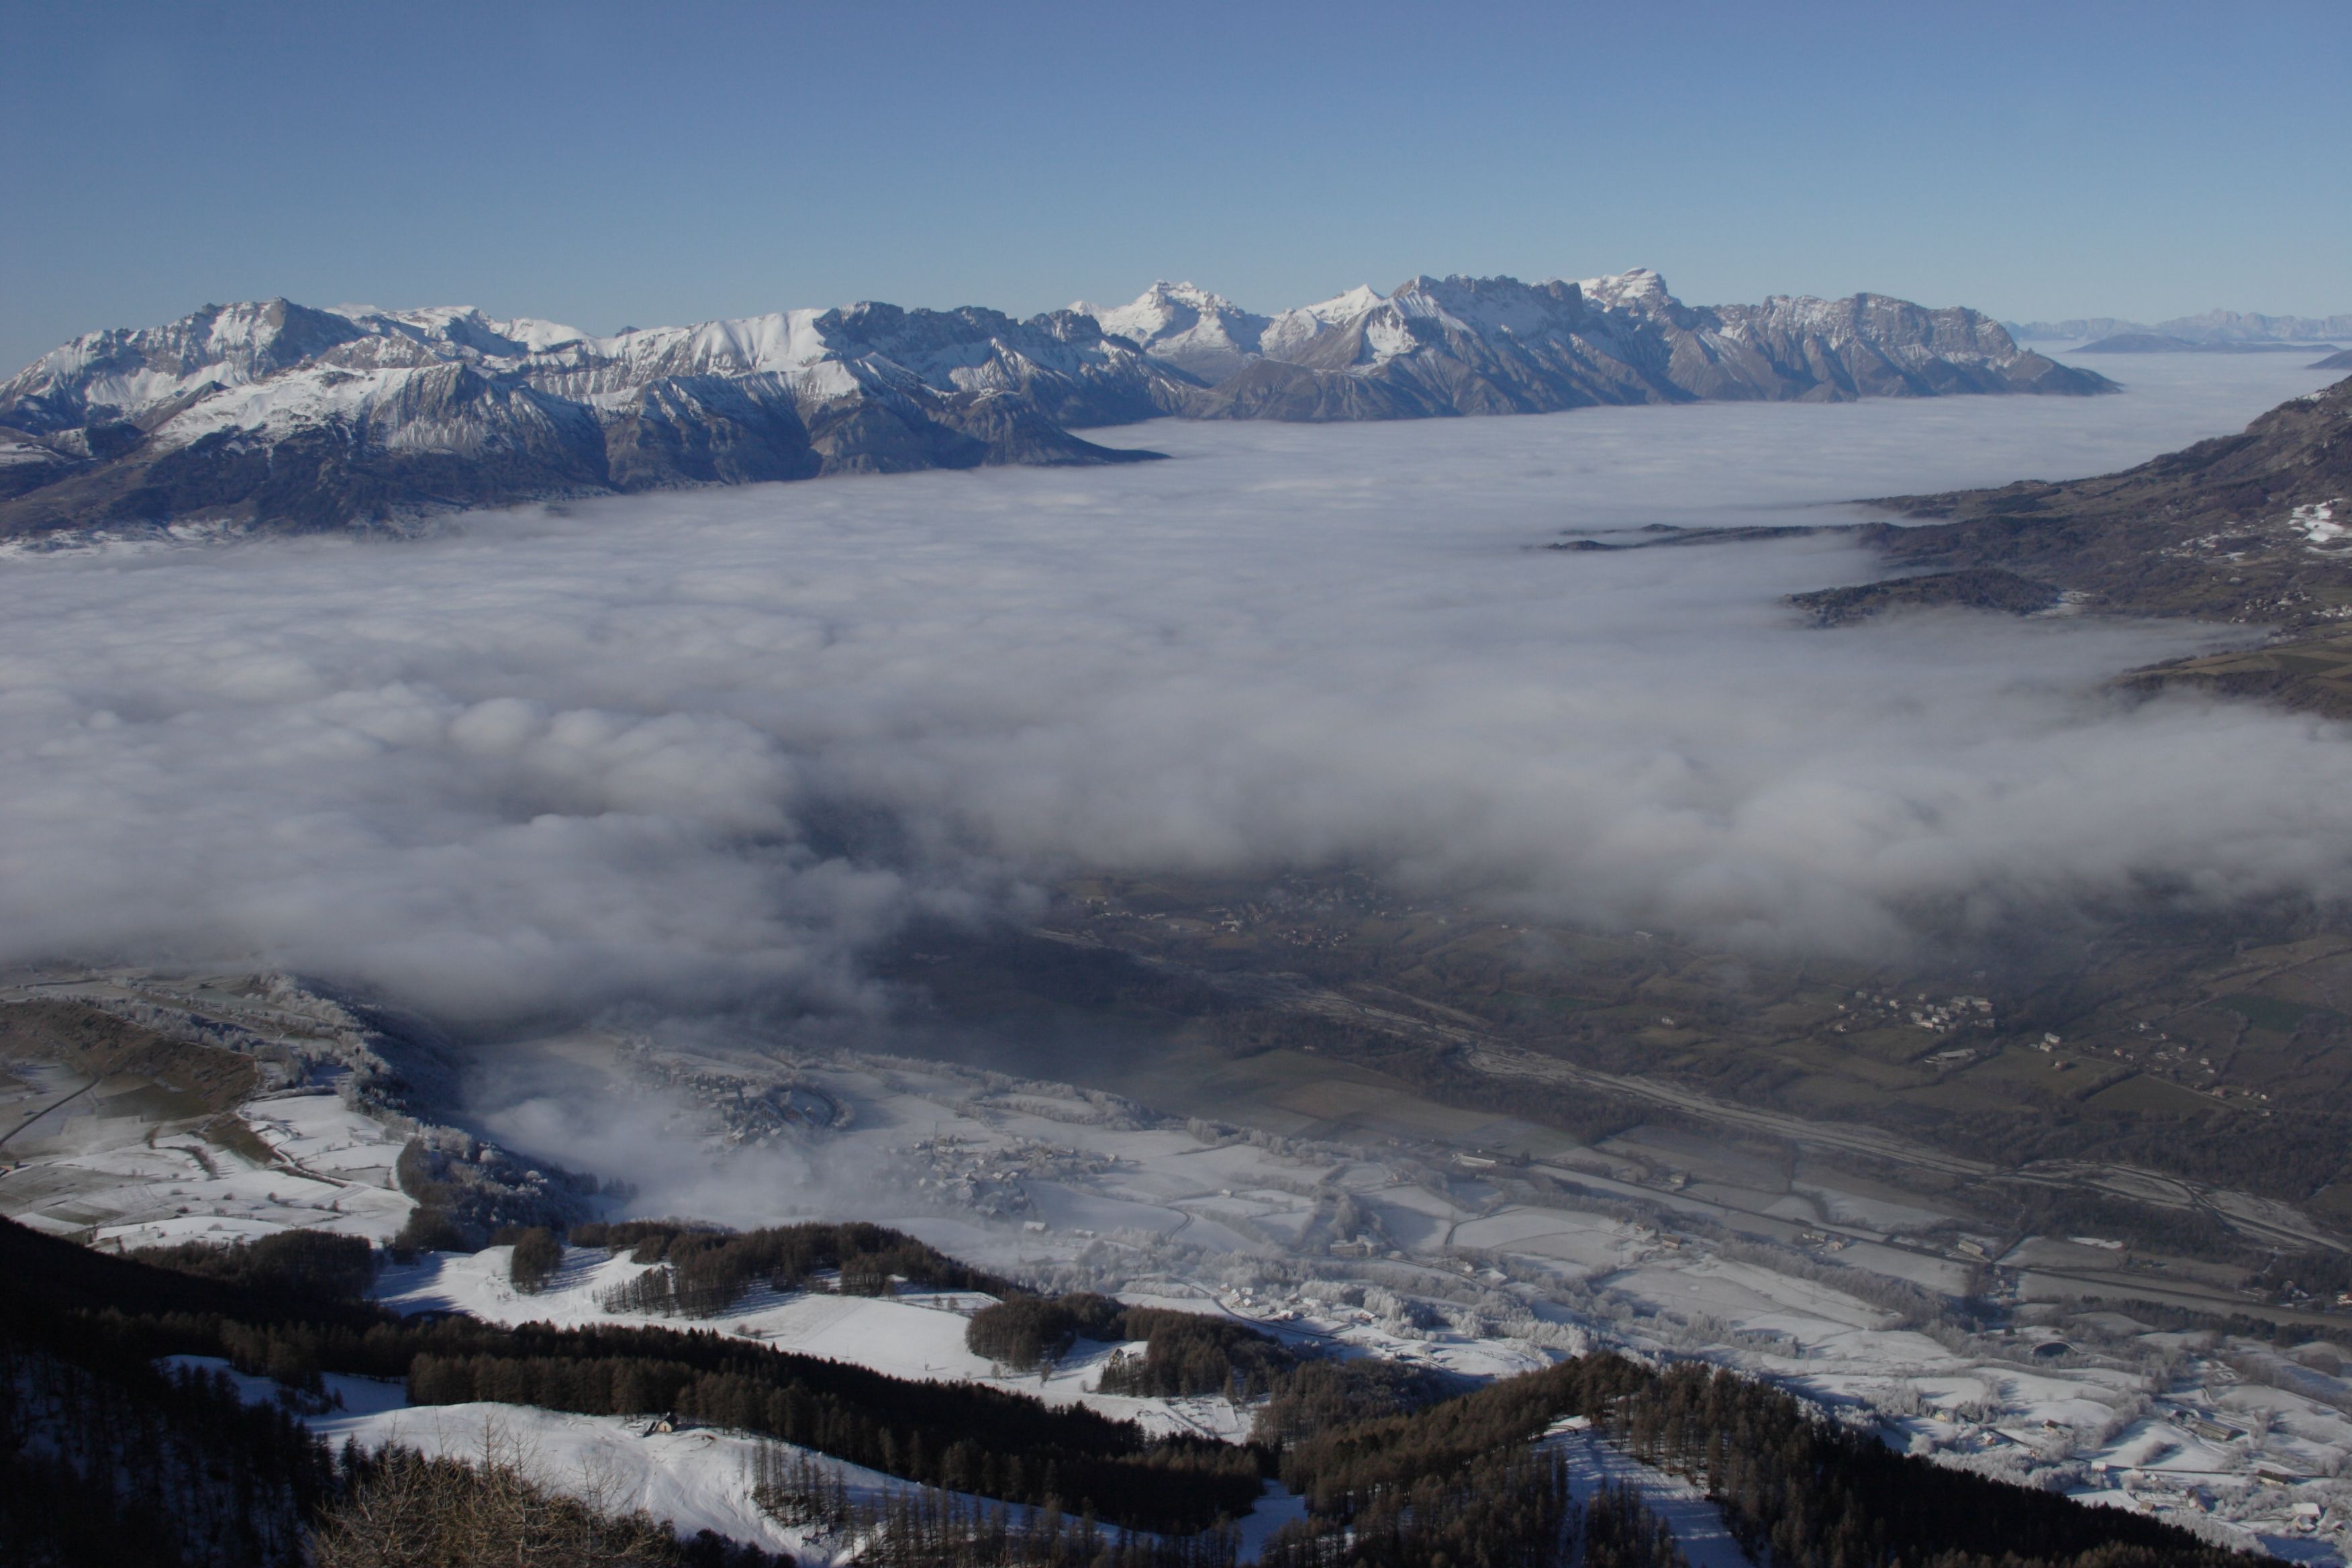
point(2254, 529)
point(277, 416)
point(2225, 527)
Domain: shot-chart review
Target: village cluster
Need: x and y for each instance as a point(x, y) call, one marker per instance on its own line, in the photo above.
point(1872, 1011)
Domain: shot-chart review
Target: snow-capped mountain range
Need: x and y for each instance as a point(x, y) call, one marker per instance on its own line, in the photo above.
point(279, 416)
point(1496, 345)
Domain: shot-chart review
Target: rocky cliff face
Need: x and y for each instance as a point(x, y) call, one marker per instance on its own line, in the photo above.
point(274, 414)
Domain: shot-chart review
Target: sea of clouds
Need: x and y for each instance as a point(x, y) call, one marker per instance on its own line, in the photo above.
point(704, 750)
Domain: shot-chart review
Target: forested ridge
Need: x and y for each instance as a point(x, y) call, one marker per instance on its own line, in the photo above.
point(930, 1527)
point(124, 1463)
point(1183, 1353)
point(1796, 1489)
point(701, 1270)
point(959, 1435)
point(1397, 1470)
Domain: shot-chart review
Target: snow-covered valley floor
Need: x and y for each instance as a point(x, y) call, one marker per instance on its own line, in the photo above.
point(1475, 1266)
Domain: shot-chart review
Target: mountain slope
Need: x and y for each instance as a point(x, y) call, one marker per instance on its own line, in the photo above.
point(2254, 528)
point(279, 416)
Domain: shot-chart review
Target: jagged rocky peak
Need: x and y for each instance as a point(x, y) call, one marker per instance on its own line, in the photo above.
point(1205, 334)
point(1641, 289)
point(122, 374)
point(1163, 306)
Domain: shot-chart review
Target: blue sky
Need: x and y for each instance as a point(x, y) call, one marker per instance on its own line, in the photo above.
point(604, 165)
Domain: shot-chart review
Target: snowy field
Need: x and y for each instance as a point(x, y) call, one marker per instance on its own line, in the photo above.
point(1473, 1270)
point(125, 1160)
point(1467, 1268)
point(103, 1177)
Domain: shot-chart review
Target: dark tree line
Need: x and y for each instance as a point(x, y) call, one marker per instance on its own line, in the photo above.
point(704, 1271)
point(1807, 1493)
point(1795, 1488)
point(400, 1508)
point(1184, 1352)
point(1188, 1352)
point(123, 1463)
point(309, 1264)
point(1508, 1508)
point(1025, 1333)
point(1620, 1531)
point(108, 1312)
point(959, 1435)
point(1317, 1396)
point(956, 1436)
point(1391, 1477)
point(932, 1528)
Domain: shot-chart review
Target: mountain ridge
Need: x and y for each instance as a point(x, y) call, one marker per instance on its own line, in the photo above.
point(1494, 345)
point(2164, 343)
point(2206, 326)
point(2249, 530)
point(277, 416)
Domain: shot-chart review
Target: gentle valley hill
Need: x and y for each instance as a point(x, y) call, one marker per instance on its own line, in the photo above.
point(277, 417)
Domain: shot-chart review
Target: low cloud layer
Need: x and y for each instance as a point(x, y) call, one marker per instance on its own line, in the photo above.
point(700, 750)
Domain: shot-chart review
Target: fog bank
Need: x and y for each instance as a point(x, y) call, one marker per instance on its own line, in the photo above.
point(699, 750)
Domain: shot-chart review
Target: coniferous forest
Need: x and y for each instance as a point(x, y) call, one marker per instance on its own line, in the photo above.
point(109, 1453)
point(1183, 1353)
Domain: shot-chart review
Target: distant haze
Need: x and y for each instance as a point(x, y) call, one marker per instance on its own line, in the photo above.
point(703, 749)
